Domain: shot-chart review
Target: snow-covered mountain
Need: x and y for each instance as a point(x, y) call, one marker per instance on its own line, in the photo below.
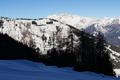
point(17, 28)
point(38, 34)
point(45, 33)
point(110, 27)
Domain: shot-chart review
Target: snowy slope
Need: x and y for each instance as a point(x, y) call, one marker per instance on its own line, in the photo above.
point(27, 70)
point(39, 35)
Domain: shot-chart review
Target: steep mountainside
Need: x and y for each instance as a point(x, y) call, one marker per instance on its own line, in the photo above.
point(38, 34)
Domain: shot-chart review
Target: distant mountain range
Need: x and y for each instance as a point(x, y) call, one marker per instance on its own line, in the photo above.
point(39, 33)
point(110, 27)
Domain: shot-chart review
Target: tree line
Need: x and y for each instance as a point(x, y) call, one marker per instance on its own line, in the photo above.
point(89, 54)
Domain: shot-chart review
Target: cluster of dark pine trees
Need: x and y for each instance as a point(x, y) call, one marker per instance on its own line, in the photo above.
point(93, 54)
point(90, 54)
point(12, 49)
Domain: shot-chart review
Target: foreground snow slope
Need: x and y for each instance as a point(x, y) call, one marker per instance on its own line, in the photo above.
point(27, 70)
